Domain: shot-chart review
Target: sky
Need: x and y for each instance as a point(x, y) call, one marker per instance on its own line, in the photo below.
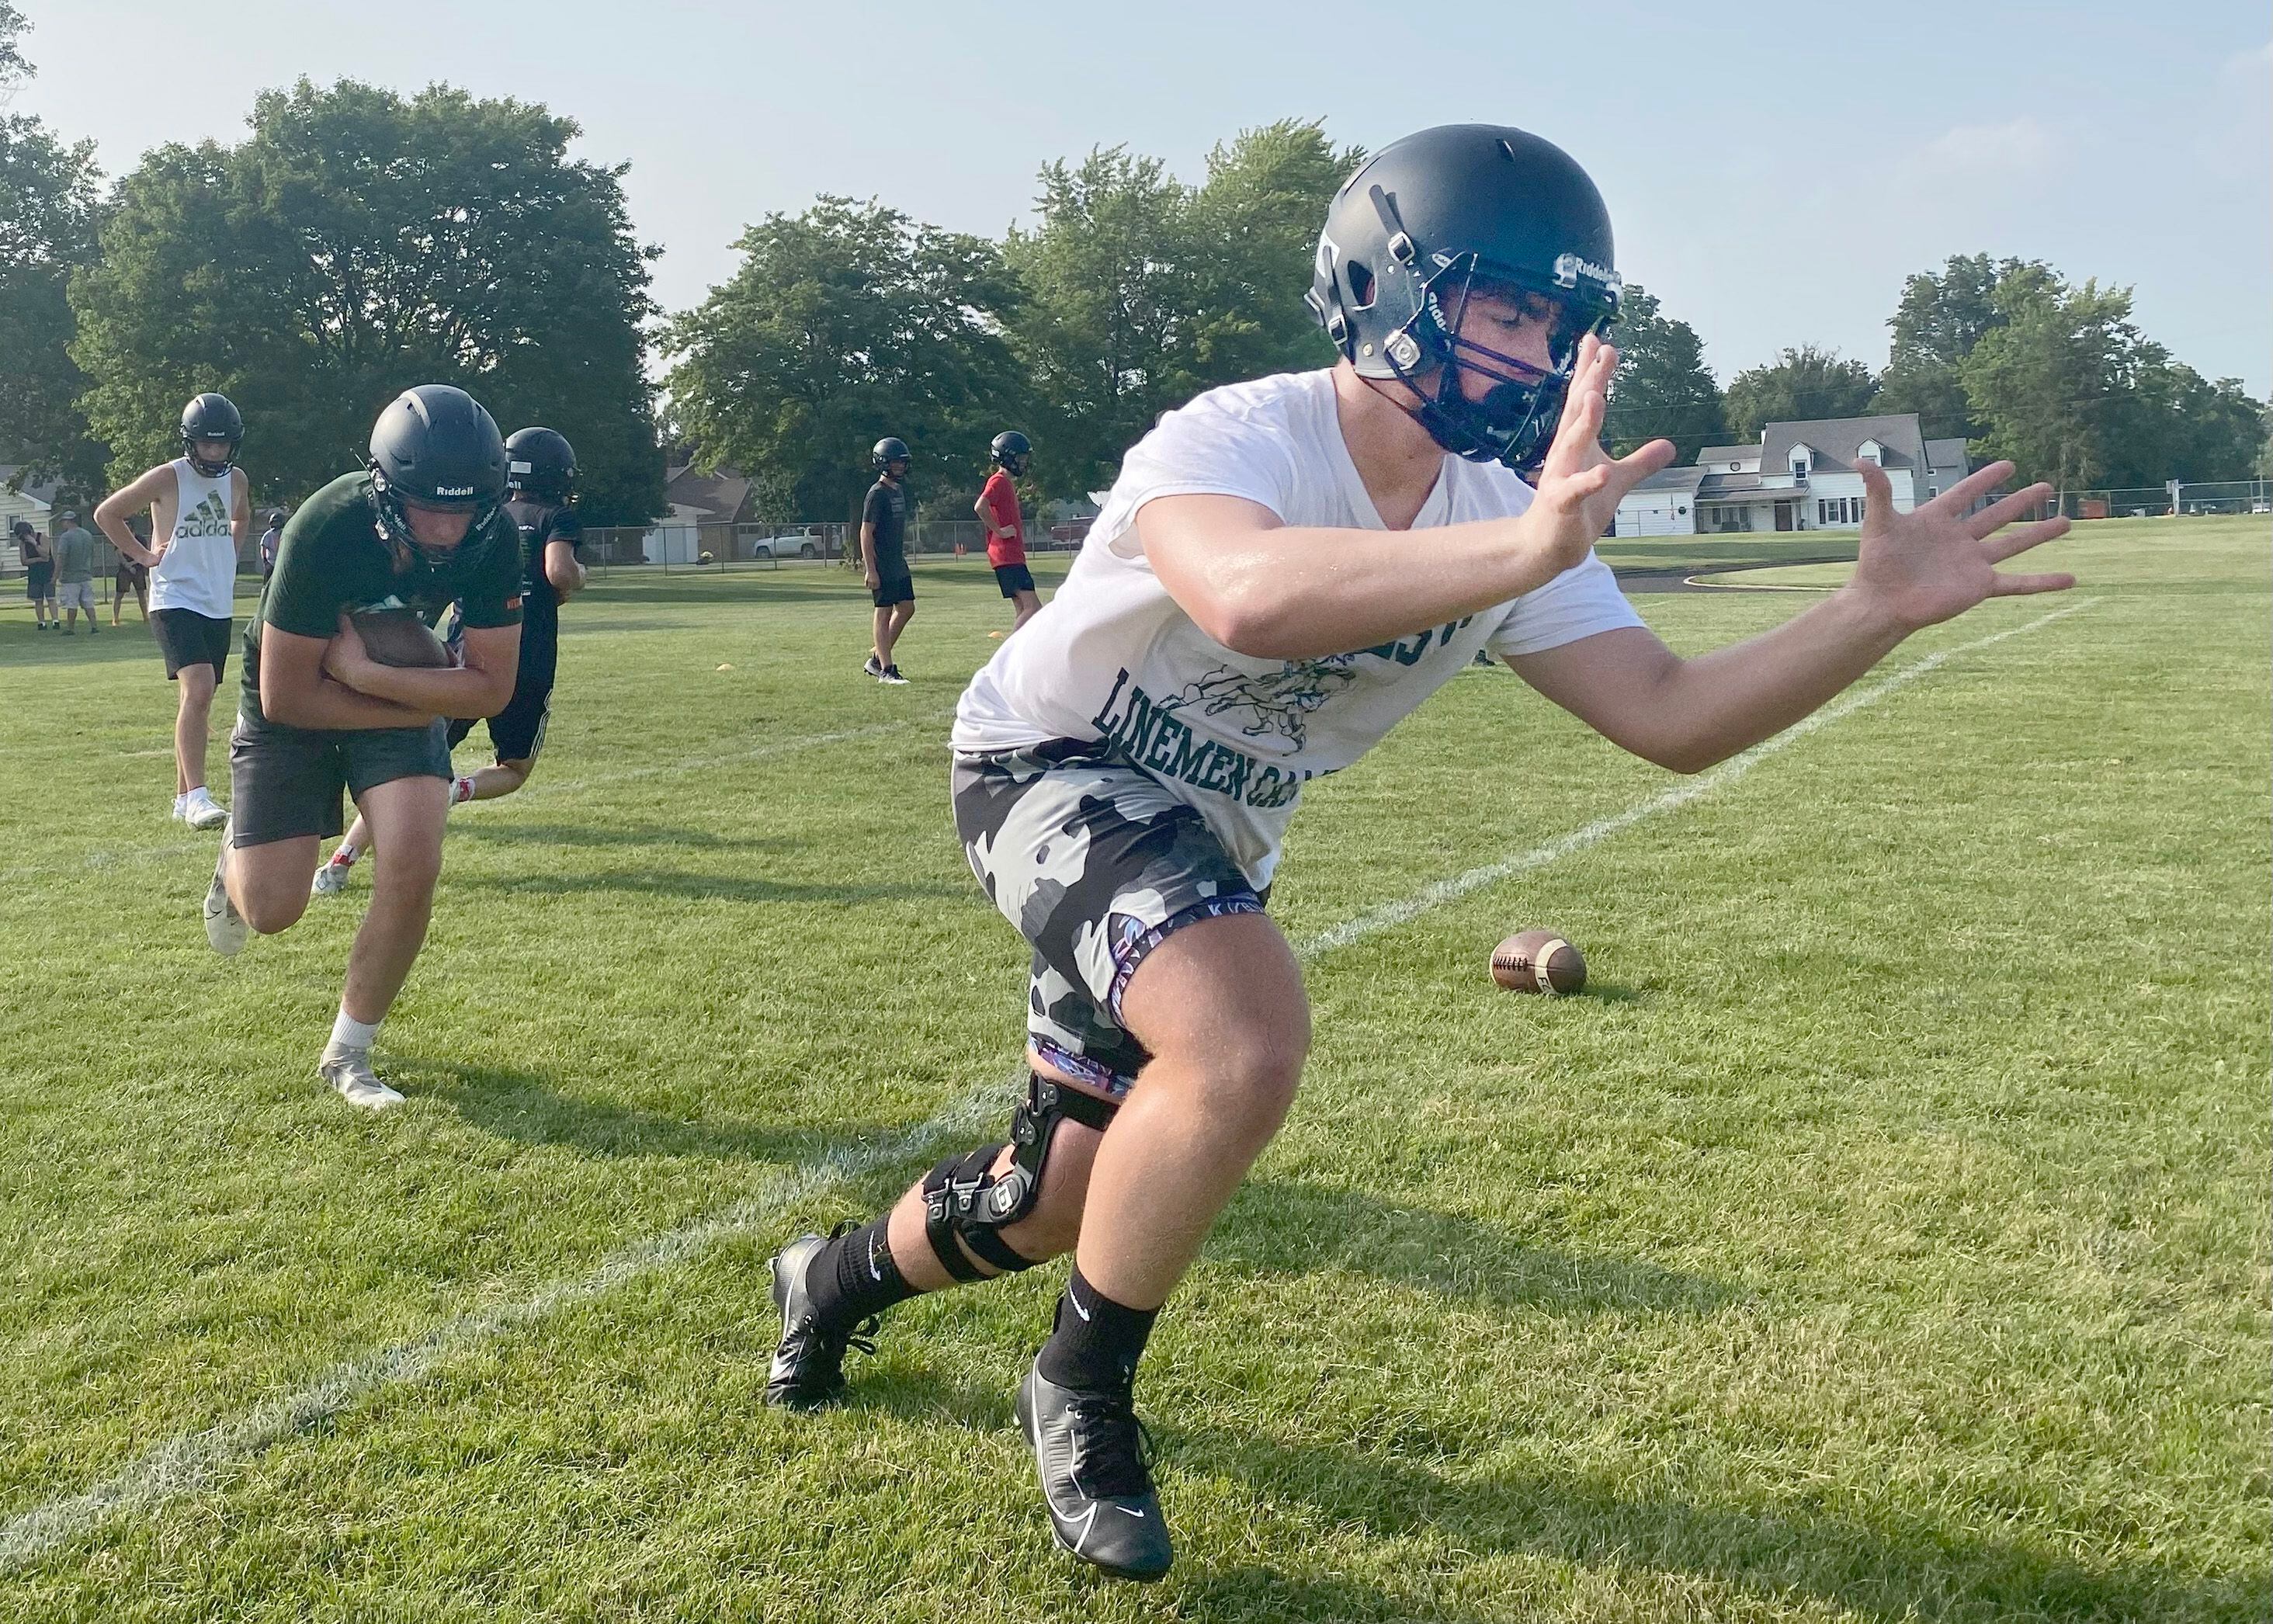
point(1774, 170)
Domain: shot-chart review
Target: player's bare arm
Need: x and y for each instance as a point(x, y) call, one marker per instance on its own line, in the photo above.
point(868, 556)
point(1915, 570)
point(1282, 592)
point(481, 687)
point(152, 490)
point(240, 518)
point(564, 570)
point(297, 690)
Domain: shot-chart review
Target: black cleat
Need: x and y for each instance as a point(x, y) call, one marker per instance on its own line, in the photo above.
point(1091, 1452)
point(808, 1366)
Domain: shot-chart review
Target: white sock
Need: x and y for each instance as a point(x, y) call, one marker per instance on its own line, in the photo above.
point(180, 801)
point(350, 1033)
point(460, 789)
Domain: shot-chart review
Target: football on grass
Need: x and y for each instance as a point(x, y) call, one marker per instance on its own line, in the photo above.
point(1538, 961)
point(398, 637)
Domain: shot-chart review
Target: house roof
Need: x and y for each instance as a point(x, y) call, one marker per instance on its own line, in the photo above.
point(1949, 454)
point(721, 496)
point(1745, 488)
point(1727, 453)
point(43, 492)
point(1671, 479)
point(1835, 440)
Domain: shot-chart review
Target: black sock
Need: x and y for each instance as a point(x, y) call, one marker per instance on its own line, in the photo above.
point(854, 1275)
point(1095, 1342)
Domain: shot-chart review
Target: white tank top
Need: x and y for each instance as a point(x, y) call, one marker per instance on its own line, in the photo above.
point(197, 570)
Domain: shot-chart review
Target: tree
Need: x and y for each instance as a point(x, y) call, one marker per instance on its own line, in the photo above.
point(2052, 385)
point(1251, 234)
point(842, 325)
point(1935, 327)
point(1664, 390)
point(359, 242)
point(1111, 326)
point(50, 204)
point(1798, 386)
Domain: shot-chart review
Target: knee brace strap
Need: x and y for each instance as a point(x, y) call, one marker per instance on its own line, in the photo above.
point(966, 1202)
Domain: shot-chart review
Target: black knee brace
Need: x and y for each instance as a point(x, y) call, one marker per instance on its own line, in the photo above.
point(966, 1202)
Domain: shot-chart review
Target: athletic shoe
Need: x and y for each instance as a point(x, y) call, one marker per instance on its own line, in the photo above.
point(349, 1071)
point(225, 927)
point(808, 1366)
point(893, 678)
point(331, 879)
point(200, 810)
point(870, 666)
point(180, 802)
point(1090, 1451)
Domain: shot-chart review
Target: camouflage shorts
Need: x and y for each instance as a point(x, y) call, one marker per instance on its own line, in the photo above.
point(1097, 865)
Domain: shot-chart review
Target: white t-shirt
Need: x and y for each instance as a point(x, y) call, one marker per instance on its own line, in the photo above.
point(1112, 656)
point(198, 569)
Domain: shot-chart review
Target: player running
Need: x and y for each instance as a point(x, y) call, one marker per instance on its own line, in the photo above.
point(200, 507)
point(419, 529)
point(1283, 570)
point(884, 558)
point(540, 473)
point(997, 508)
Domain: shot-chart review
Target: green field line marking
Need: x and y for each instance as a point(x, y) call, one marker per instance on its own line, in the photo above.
point(191, 1461)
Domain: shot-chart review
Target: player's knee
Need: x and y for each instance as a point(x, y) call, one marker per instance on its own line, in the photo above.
point(269, 906)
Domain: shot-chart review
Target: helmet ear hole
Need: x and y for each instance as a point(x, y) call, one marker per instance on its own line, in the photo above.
point(1361, 284)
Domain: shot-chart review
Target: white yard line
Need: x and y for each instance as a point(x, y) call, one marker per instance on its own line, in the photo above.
point(190, 1461)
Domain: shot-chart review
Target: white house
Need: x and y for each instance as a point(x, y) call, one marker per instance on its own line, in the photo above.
point(1801, 476)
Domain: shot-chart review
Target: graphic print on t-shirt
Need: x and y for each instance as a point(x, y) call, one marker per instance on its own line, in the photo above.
point(210, 517)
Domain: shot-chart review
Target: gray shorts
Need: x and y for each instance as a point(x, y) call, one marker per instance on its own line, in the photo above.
point(76, 594)
point(285, 782)
point(1097, 865)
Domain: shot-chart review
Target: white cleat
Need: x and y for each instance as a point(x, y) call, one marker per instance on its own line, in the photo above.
point(331, 879)
point(348, 1072)
point(225, 927)
point(200, 810)
point(178, 814)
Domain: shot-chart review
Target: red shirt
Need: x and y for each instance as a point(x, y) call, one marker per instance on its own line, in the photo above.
point(1001, 498)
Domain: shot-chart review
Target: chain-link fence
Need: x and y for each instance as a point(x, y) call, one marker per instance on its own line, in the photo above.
point(2177, 496)
point(674, 546)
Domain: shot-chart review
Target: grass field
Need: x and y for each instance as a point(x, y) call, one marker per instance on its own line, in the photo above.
point(1883, 1237)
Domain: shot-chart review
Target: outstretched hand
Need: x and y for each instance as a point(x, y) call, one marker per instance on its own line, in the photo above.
point(1579, 485)
point(1937, 560)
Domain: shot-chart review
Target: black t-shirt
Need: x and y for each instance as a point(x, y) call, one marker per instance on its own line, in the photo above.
point(541, 524)
point(887, 509)
point(331, 560)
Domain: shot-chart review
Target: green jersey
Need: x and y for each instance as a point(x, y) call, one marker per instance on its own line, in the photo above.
point(333, 561)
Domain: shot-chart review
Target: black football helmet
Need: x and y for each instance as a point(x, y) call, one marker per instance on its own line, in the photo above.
point(541, 464)
point(437, 446)
point(1430, 221)
point(212, 417)
point(888, 451)
point(1010, 451)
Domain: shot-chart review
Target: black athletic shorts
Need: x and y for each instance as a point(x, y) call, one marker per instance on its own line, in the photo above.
point(187, 638)
point(891, 589)
point(285, 782)
point(1014, 578)
point(40, 581)
point(517, 732)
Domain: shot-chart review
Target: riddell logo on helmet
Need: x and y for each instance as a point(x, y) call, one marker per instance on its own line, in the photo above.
point(453, 490)
point(1570, 267)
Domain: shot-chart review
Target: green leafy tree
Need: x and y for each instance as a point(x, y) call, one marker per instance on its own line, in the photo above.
point(2052, 385)
point(1111, 327)
point(1939, 319)
point(842, 325)
point(1251, 233)
point(1797, 386)
point(1663, 389)
point(49, 205)
point(359, 242)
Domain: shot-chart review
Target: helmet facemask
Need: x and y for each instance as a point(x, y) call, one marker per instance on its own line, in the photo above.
point(1515, 419)
point(393, 523)
point(211, 470)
